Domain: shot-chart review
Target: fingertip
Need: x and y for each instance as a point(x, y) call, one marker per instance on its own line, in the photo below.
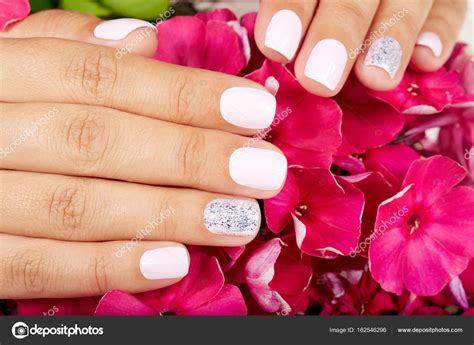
point(425, 60)
point(127, 35)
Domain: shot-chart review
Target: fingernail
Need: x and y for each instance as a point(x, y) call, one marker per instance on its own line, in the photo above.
point(327, 62)
point(165, 263)
point(248, 107)
point(232, 217)
point(258, 168)
point(385, 53)
point(432, 41)
point(118, 29)
point(284, 33)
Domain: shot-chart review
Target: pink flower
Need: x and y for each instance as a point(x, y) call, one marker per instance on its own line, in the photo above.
point(204, 41)
point(366, 123)
point(202, 292)
point(57, 306)
point(12, 11)
point(430, 242)
point(325, 212)
point(463, 64)
point(268, 271)
point(392, 161)
point(425, 93)
point(307, 128)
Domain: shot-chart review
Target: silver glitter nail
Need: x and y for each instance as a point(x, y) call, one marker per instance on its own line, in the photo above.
point(385, 53)
point(232, 217)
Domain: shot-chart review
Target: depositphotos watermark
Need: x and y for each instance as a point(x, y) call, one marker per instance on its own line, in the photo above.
point(379, 32)
point(469, 153)
point(379, 231)
point(21, 330)
point(144, 232)
point(28, 133)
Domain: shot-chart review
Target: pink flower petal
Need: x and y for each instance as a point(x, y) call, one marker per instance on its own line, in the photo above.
point(451, 221)
point(306, 126)
point(279, 208)
point(433, 177)
point(229, 301)
point(12, 11)
point(429, 266)
point(57, 306)
point(117, 302)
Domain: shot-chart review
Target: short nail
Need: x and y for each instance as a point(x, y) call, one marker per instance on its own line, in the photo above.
point(284, 33)
point(233, 217)
point(327, 62)
point(432, 41)
point(165, 263)
point(248, 107)
point(385, 53)
point(118, 29)
point(258, 168)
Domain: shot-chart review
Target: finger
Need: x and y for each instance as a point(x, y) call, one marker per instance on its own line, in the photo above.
point(78, 209)
point(438, 35)
point(88, 74)
point(125, 35)
point(39, 268)
point(103, 142)
point(391, 39)
point(281, 25)
point(339, 26)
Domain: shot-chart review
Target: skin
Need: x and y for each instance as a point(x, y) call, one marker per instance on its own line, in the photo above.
point(116, 154)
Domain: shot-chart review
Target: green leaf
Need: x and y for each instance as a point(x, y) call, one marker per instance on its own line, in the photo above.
point(40, 5)
point(92, 7)
point(142, 9)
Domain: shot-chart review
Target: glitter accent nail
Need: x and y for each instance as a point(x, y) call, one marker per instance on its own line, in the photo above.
point(385, 53)
point(232, 217)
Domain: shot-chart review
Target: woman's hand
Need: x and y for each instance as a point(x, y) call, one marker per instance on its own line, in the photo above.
point(376, 38)
point(103, 157)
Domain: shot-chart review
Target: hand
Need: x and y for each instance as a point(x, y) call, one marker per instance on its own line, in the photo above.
point(376, 38)
point(104, 157)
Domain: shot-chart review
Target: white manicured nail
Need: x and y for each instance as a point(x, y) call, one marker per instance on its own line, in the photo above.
point(248, 107)
point(258, 168)
point(327, 62)
point(284, 33)
point(165, 263)
point(118, 29)
point(432, 41)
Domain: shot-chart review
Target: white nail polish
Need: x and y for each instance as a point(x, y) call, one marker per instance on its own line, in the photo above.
point(248, 107)
point(284, 33)
point(327, 62)
point(258, 168)
point(234, 217)
point(165, 263)
point(385, 53)
point(432, 41)
point(118, 29)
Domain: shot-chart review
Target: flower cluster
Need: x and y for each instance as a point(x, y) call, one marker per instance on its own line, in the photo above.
point(376, 215)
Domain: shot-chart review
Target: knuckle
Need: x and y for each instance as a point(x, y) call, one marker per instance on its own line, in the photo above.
point(67, 209)
point(92, 73)
point(88, 138)
point(26, 269)
point(100, 271)
point(360, 13)
point(184, 99)
point(192, 157)
point(164, 224)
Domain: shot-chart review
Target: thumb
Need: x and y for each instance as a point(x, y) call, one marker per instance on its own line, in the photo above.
point(126, 35)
